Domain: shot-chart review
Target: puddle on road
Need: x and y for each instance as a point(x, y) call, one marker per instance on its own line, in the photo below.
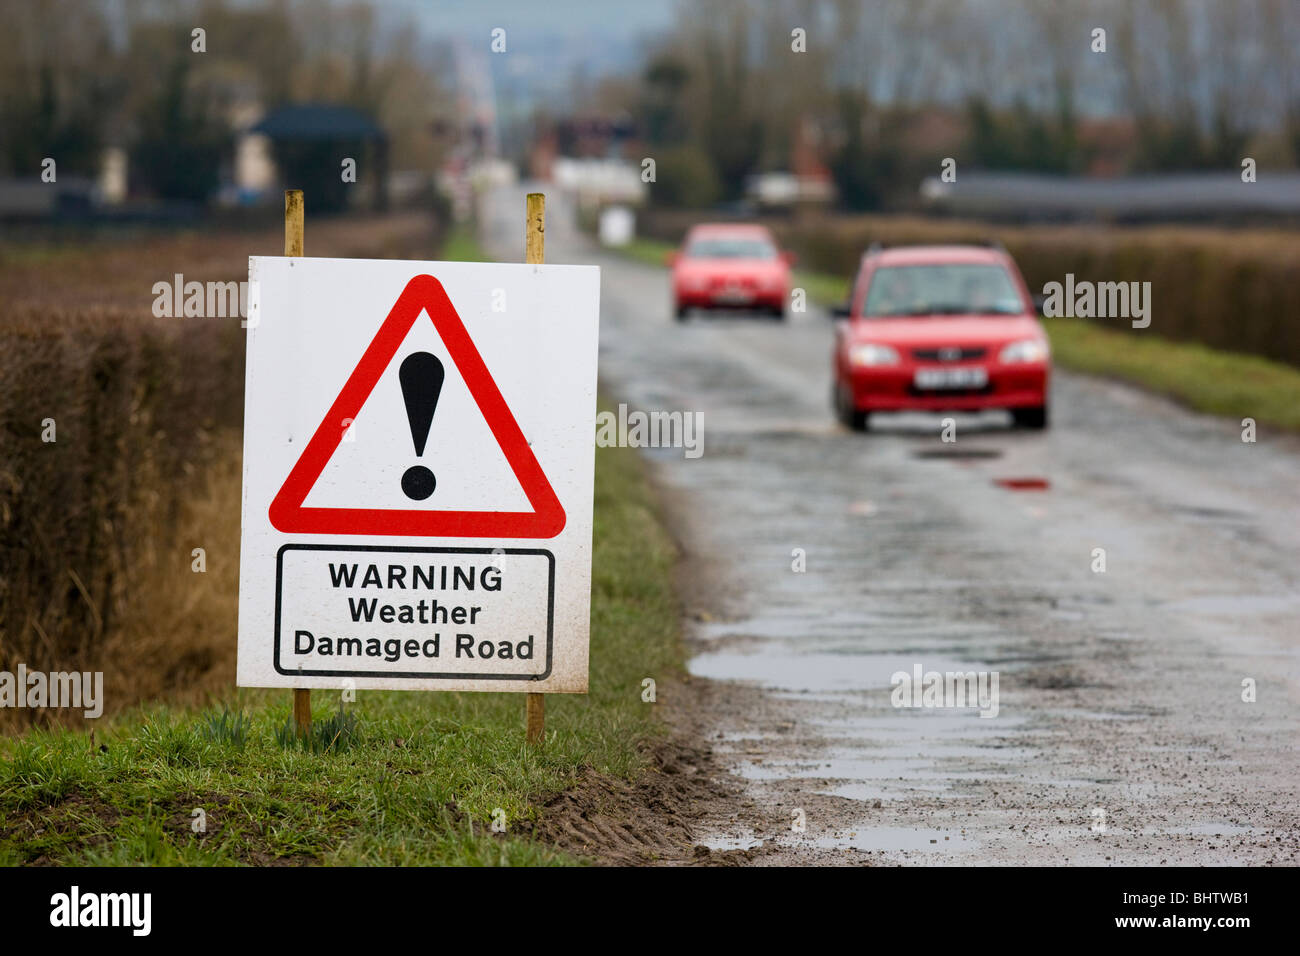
point(1212, 514)
point(898, 839)
point(818, 672)
point(719, 842)
point(896, 771)
point(957, 453)
point(785, 623)
point(1023, 484)
point(871, 792)
point(939, 724)
point(1066, 714)
point(1235, 604)
point(920, 424)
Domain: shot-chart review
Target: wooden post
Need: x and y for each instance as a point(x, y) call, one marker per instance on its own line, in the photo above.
point(535, 709)
point(293, 228)
point(293, 219)
point(535, 254)
point(535, 230)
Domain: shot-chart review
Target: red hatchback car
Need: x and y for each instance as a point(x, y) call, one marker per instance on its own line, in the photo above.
point(730, 266)
point(940, 328)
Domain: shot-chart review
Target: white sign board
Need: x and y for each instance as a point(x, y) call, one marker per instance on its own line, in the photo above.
point(418, 463)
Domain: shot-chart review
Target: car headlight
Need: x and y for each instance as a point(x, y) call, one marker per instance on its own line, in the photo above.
point(868, 353)
point(1026, 350)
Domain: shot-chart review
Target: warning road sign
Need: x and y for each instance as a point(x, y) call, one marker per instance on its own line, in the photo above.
point(418, 462)
point(421, 377)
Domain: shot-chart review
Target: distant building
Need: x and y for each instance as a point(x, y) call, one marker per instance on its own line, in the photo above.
point(1167, 197)
point(311, 141)
point(596, 182)
point(112, 184)
point(808, 181)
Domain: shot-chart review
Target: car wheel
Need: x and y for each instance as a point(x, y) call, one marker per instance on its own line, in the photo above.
point(849, 416)
point(1035, 418)
point(682, 312)
point(777, 312)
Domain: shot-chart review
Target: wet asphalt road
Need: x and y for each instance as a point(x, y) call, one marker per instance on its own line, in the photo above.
point(1121, 735)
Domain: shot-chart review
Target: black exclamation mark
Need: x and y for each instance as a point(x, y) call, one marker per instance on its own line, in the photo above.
point(421, 376)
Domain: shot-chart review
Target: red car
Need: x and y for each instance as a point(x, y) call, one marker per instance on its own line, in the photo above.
point(730, 266)
point(940, 328)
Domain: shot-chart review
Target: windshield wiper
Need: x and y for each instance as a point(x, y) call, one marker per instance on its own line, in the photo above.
point(959, 310)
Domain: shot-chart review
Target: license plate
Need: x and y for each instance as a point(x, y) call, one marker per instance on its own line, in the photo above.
point(734, 294)
point(973, 377)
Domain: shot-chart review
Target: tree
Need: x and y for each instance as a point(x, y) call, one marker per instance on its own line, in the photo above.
point(685, 178)
point(181, 145)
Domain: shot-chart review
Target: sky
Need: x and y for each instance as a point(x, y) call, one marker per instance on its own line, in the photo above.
point(608, 17)
point(546, 40)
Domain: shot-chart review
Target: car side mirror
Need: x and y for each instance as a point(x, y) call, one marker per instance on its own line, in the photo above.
point(789, 258)
point(671, 257)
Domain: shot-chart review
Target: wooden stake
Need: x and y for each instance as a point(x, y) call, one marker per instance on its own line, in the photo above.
point(535, 254)
point(535, 230)
point(293, 221)
point(293, 228)
point(302, 710)
point(536, 711)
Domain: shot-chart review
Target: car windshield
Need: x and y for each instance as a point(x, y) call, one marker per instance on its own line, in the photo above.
point(953, 289)
point(730, 247)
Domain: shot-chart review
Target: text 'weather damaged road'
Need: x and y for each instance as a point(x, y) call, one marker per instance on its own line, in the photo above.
point(1144, 713)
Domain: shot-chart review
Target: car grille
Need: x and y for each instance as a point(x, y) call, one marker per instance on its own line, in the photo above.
point(949, 354)
point(949, 392)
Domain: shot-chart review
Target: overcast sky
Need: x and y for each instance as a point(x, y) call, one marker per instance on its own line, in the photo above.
point(616, 19)
point(548, 42)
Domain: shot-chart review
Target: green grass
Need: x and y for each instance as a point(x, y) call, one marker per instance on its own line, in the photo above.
point(1202, 378)
point(651, 252)
point(1206, 379)
point(823, 288)
point(462, 245)
point(392, 778)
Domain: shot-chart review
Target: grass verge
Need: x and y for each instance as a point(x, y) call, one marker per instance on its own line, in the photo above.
point(406, 778)
point(461, 245)
point(1202, 378)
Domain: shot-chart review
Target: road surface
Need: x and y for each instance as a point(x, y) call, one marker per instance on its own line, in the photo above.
point(1121, 735)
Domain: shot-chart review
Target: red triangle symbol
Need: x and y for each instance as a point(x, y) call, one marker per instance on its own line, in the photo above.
point(424, 293)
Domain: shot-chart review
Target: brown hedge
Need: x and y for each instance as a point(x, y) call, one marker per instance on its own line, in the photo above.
point(135, 404)
point(147, 413)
